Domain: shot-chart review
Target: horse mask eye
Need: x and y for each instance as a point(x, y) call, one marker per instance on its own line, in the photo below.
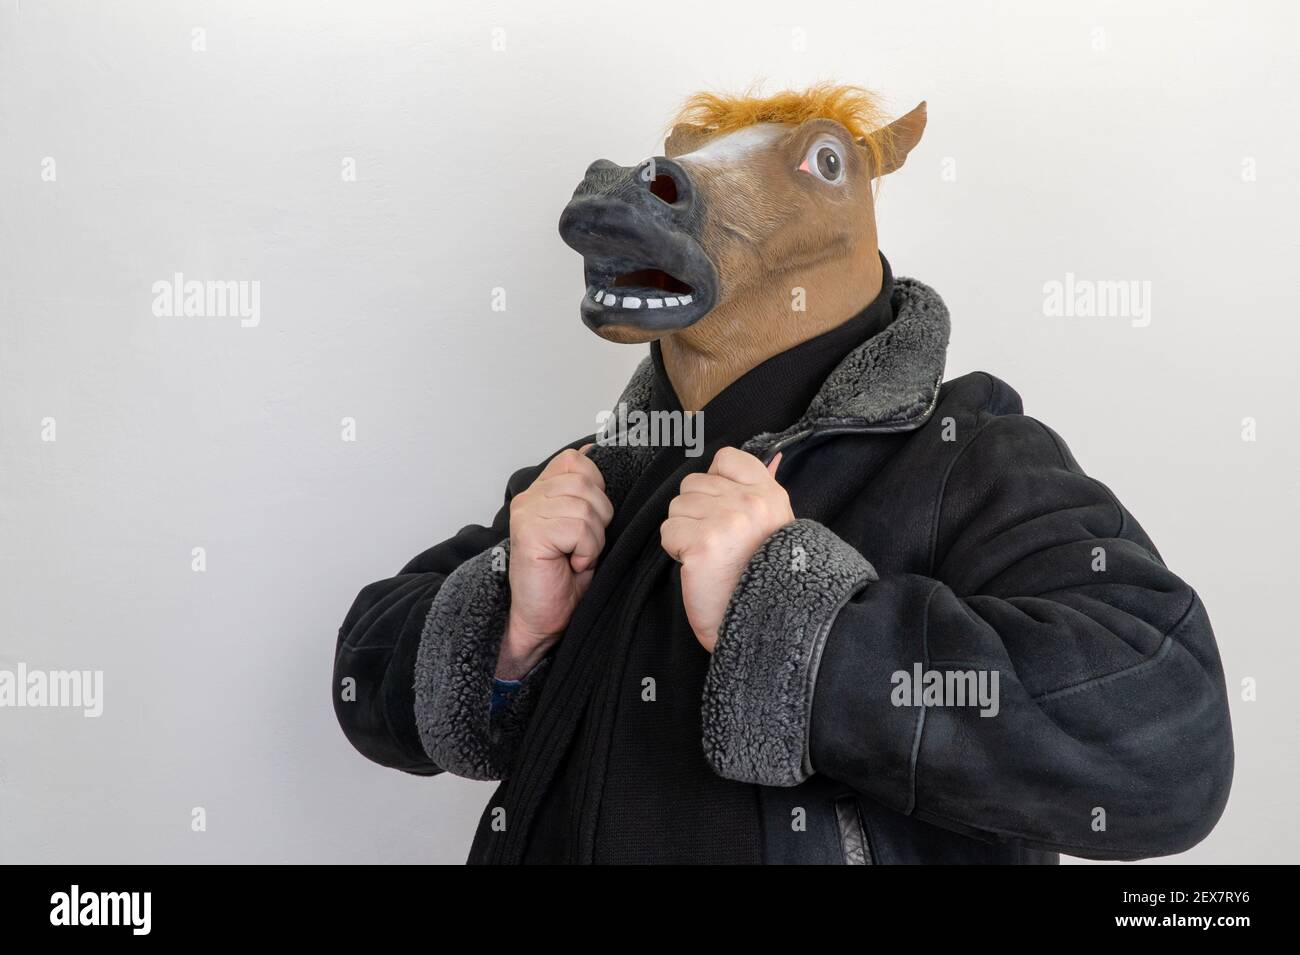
point(825, 162)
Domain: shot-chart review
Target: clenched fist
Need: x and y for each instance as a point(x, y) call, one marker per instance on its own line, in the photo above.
point(557, 530)
point(714, 527)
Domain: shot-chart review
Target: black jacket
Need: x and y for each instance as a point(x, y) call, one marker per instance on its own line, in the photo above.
point(940, 532)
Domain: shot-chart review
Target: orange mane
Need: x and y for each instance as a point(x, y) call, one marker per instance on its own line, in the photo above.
point(856, 109)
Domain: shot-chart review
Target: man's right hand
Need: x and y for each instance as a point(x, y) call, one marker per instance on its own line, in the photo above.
point(557, 530)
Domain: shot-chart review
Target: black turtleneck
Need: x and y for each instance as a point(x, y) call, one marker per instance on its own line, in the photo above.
point(775, 393)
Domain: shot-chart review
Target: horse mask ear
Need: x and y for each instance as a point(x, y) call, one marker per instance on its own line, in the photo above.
point(897, 140)
point(685, 138)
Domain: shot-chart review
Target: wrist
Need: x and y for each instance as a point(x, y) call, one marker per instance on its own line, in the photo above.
point(521, 650)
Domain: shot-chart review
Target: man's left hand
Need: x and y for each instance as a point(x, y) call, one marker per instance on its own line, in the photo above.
point(715, 524)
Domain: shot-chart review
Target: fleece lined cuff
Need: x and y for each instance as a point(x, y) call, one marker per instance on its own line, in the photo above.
point(758, 693)
point(454, 670)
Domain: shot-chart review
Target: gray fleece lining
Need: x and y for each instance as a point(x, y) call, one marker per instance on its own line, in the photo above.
point(454, 667)
point(621, 465)
point(888, 383)
point(758, 693)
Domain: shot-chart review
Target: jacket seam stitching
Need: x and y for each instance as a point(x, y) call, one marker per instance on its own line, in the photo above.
point(943, 493)
point(822, 635)
point(1167, 641)
point(356, 649)
point(985, 408)
point(915, 758)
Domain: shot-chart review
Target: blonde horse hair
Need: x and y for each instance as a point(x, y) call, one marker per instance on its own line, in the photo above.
point(858, 110)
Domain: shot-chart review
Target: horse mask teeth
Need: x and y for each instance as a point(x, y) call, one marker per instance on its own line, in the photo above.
point(638, 230)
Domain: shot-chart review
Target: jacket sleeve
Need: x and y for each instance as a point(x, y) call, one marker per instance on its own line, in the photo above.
point(1108, 735)
point(416, 656)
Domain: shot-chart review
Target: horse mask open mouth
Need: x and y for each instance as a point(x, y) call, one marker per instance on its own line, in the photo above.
point(638, 230)
point(755, 229)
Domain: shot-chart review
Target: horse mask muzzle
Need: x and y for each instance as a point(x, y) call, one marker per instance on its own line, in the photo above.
point(638, 230)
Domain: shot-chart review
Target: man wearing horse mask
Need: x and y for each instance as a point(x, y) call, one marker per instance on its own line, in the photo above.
point(871, 617)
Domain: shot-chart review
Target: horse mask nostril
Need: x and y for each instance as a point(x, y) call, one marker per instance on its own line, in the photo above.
point(664, 187)
point(664, 179)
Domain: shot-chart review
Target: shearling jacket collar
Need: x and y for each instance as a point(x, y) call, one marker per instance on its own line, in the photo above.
point(889, 383)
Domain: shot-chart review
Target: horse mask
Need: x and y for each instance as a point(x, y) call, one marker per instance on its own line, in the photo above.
point(756, 231)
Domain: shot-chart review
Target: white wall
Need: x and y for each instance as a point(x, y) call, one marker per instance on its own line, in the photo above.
point(1118, 163)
